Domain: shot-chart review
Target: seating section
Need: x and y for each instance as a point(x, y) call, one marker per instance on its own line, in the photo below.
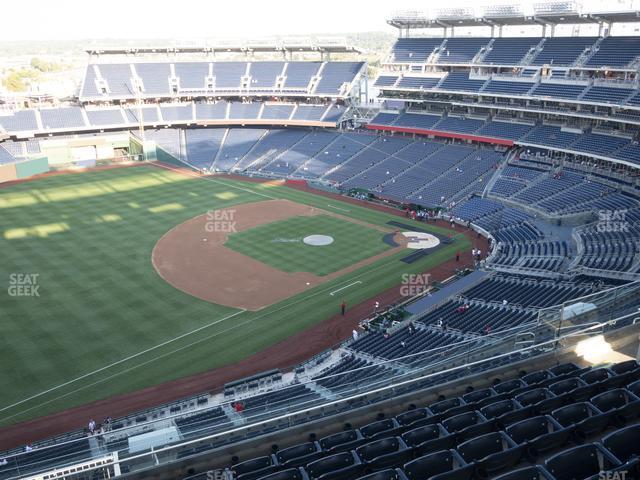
point(527, 292)
point(518, 438)
point(474, 317)
point(409, 345)
point(603, 143)
point(562, 51)
point(563, 192)
point(201, 423)
point(165, 79)
point(461, 50)
point(509, 51)
point(414, 50)
point(616, 52)
point(612, 243)
point(552, 51)
point(347, 373)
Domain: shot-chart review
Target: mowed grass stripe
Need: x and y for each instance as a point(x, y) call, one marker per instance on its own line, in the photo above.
point(100, 300)
point(280, 244)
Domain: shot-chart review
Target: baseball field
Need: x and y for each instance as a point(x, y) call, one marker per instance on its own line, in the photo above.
point(119, 279)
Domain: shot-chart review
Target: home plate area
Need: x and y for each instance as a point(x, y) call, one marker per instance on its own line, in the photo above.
point(421, 240)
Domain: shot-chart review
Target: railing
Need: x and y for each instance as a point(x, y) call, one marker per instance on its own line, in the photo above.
point(606, 305)
point(383, 388)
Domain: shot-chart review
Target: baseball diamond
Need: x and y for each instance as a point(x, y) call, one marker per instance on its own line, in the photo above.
point(230, 252)
point(148, 239)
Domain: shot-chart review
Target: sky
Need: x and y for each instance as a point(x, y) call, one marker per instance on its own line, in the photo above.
point(185, 19)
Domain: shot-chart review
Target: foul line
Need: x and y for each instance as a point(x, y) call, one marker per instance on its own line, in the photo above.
point(338, 208)
point(82, 377)
point(346, 286)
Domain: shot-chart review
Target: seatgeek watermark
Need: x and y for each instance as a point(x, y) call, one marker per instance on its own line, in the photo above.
point(219, 475)
point(221, 221)
point(611, 475)
point(413, 284)
point(24, 285)
point(610, 221)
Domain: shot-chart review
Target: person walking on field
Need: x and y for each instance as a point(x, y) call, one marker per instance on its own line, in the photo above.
point(343, 308)
point(457, 256)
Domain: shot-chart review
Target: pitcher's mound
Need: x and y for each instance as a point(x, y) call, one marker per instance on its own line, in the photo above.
point(318, 240)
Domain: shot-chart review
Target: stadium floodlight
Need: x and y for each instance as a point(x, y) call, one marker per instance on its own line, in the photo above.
point(459, 13)
point(503, 11)
point(409, 16)
point(569, 7)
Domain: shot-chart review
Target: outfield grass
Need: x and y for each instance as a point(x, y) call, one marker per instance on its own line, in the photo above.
point(280, 244)
point(104, 322)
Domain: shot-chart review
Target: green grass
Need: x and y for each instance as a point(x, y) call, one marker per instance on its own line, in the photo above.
point(104, 322)
point(280, 244)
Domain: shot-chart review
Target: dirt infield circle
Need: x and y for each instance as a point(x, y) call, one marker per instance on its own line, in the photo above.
point(192, 257)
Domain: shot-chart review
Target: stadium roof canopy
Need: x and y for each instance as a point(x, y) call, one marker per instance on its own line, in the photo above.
point(547, 13)
point(249, 48)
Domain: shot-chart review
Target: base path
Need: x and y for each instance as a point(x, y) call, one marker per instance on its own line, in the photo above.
point(193, 257)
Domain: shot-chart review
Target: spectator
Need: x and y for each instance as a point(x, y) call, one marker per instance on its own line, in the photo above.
point(3, 462)
point(354, 334)
point(92, 426)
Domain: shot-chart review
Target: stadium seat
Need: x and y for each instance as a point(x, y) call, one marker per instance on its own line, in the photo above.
point(299, 455)
point(542, 400)
point(289, 474)
point(388, 427)
point(584, 462)
point(345, 465)
point(509, 385)
point(541, 434)
point(428, 439)
point(389, 474)
point(573, 389)
point(541, 378)
point(566, 369)
point(254, 468)
point(384, 453)
point(342, 442)
point(468, 425)
point(492, 453)
point(624, 444)
point(625, 367)
point(506, 412)
point(583, 417)
point(413, 418)
point(597, 376)
point(624, 404)
point(527, 473)
point(478, 395)
point(435, 464)
point(448, 407)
